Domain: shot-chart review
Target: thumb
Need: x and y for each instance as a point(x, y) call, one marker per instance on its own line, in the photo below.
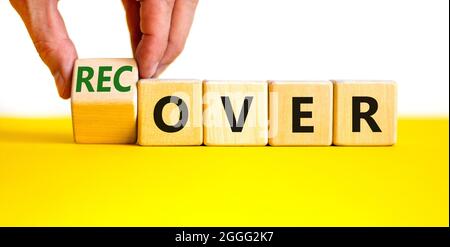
point(48, 32)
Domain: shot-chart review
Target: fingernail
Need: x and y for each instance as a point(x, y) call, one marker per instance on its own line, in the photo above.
point(153, 69)
point(161, 70)
point(148, 73)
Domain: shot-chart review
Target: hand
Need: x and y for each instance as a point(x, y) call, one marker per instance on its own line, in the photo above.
point(158, 31)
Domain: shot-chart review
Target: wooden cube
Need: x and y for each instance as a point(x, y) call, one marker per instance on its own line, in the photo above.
point(170, 113)
point(365, 113)
point(300, 113)
point(235, 113)
point(104, 101)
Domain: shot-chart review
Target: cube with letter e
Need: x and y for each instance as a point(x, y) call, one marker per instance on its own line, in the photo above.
point(300, 113)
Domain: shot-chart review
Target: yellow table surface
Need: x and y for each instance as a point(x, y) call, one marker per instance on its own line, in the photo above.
point(47, 180)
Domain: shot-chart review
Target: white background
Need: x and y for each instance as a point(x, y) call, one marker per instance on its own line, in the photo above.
point(402, 40)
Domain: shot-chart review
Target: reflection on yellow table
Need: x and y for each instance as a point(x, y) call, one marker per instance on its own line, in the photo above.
point(47, 180)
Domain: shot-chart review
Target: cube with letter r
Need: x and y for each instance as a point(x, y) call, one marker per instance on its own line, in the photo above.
point(365, 113)
point(104, 106)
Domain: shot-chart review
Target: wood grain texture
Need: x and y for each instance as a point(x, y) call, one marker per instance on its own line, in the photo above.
point(385, 93)
point(101, 116)
point(150, 92)
point(217, 128)
point(281, 101)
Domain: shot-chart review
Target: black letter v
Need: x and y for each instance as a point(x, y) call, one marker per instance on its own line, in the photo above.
point(239, 125)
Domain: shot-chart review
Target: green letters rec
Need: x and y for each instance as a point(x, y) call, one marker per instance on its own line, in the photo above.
point(85, 75)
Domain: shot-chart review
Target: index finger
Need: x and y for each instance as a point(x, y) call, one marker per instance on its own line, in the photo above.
point(156, 18)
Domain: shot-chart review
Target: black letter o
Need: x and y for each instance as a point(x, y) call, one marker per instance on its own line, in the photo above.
point(157, 114)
